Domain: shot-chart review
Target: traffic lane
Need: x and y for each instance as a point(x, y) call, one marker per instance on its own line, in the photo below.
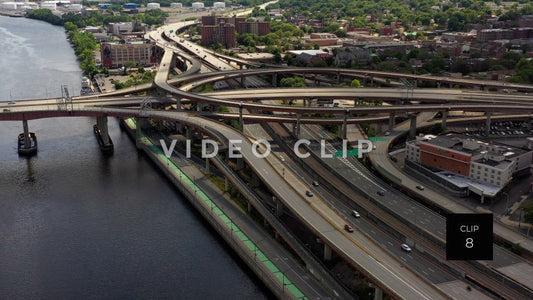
point(404, 205)
point(413, 260)
point(419, 265)
point(416, 262)
point(361, 253)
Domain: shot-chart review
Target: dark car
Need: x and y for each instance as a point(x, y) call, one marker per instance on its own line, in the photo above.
point(309, 193)
point(381, 193)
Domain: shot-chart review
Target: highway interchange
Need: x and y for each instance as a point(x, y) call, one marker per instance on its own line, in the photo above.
point(423, 279)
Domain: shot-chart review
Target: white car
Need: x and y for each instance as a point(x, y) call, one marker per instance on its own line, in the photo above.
point(356, 214)
point(406, 248)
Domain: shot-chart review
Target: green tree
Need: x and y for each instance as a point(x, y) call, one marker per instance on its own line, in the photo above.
point(355, 83)
point(528, 212)
point(127, 65)
point(293, 82)
point(386, 66)
point(69, 26)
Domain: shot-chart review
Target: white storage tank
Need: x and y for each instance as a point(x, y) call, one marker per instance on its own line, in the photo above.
point(9, 5)
point(197, 5)
point(176, 5)
point(219, 5)
point(152, 5)
point(75, 7)
point(50, 6)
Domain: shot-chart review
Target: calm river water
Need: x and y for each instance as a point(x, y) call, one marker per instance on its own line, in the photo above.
point(76, 225)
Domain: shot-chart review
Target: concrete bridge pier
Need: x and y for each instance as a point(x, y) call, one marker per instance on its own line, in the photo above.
point(378, 293)
point(243, 81)
point(345, 125)
point(338, 77)
point(255, 182)
point(249, 207)
point(178, 103)
point(444, 117)
point(487, 124)
point(174, 61)
point(412, 129)
point(138, 134)
point(241, 119)
point(296, 128)
point(391, 121)
point(26, 134)
point(207, 166)
point(188, 133)
point(199, 106)
point(226, 183)
point(240, 163)
point(371, 81)
point(327, 252)
point(275, 79)
point(438, 84)
point(101, 123)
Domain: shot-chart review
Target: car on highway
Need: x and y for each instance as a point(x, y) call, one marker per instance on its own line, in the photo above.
point(356, 214)
point(309, 193)
point(406, 248)
point(420, 187)
point(11, 102)
point(315, 183)
point(348, 228)
point(381, 193)
point(6, 110)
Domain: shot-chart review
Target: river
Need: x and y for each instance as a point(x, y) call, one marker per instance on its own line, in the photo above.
point(75, 224)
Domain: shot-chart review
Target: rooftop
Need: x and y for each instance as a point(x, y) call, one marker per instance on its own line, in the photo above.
point(474, 147)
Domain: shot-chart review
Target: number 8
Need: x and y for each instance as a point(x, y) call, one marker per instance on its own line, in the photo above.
point(469, 243)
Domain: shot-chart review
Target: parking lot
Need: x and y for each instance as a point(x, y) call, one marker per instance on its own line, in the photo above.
point(499, 129)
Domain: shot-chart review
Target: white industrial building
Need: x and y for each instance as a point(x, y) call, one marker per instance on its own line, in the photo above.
point(75, 7)
point(120, 28)
point(197, 5)
point(153, 5)
point(219, 5)
point(51, 5)
point(176, 5)
point(9, 5)
point(489, 163)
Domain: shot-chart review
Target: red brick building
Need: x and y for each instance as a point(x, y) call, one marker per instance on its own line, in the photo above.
point(445, 159)
point(222, 33)
point(115, 54)
point(222, 29)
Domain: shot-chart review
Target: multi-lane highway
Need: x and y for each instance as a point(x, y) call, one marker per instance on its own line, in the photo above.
point(379, 266)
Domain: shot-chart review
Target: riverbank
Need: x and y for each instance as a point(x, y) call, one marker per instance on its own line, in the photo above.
point(12, 13)
point(254, 247)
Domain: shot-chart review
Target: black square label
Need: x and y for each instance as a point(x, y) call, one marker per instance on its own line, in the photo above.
point(469, 236)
